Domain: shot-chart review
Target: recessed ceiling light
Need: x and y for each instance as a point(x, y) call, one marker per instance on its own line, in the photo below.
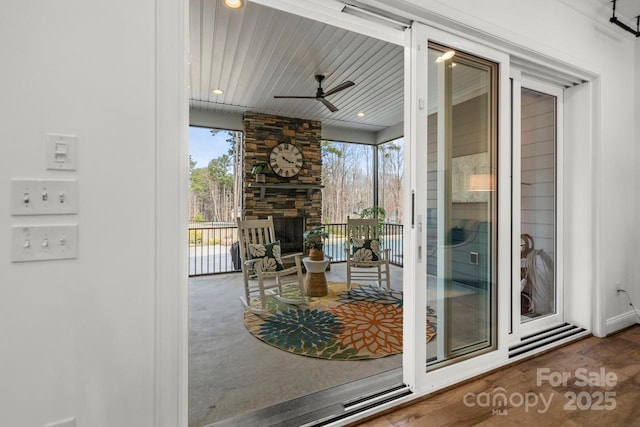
point(233, 4)
point(218, 91)
point(360, 114)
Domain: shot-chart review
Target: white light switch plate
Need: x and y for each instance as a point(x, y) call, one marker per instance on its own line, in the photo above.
point(44, 196)
point(44, 242)
point(62, 152)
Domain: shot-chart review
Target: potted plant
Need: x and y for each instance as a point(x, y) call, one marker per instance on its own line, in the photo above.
point(258, 171)
point(314, 240)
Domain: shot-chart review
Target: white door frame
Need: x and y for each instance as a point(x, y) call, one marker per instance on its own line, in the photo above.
point(170, 222)
point(536, 325)
point(416, 113)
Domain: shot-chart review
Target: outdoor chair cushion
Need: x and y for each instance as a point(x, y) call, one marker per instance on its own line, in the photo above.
point(269, 255)
point(365, 249)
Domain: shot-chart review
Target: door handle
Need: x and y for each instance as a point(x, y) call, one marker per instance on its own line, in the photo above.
point(419, 238)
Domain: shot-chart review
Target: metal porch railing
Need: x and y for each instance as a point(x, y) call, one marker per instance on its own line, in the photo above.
point(211, 246)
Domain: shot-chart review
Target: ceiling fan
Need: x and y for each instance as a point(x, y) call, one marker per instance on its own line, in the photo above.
point(321, 94)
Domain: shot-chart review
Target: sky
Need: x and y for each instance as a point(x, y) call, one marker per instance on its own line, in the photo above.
point(203, 147)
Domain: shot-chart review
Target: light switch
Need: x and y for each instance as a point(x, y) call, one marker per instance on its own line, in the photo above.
point(44, 242)
point(44, 196)
point(61, 152)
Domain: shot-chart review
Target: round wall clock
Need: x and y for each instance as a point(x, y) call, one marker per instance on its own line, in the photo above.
point(286, 160)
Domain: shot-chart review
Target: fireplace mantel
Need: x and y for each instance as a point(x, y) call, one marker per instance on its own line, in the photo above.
point(263, 188)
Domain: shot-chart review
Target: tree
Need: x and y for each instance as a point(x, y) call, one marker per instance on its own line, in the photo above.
point(212, 187)
point(347, 178)
point(390, 176)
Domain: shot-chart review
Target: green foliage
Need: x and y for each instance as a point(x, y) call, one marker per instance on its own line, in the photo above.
point(195, 237)
point(198, 181)
point(199, 217)
point(314, 238)
point(260, 167)
point(219, 170)
point(198, 237)
point(376, 212)
point(330, 148)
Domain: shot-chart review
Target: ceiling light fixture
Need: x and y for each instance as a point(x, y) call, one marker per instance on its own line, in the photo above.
point(233, 4)
point(217, 91)
point(360, 114)
point(446, 56)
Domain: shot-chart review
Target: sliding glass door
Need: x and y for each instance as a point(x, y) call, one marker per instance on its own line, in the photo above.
point(461, 201)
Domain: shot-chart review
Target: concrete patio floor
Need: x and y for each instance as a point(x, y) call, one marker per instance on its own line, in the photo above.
point(231, 372)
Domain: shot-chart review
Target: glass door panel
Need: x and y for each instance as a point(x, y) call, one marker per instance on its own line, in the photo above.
point(538, 285)
point(461, 205)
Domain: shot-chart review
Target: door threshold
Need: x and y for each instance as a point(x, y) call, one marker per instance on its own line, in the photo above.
point(328, 406)
point(546, 339)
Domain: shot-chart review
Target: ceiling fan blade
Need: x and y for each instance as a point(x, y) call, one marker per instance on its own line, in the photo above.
point(296, 97)
point(329, 105)
point(340, 87)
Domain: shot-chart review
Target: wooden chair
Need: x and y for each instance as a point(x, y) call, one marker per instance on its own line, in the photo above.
point(366, 260)
point(263, 268)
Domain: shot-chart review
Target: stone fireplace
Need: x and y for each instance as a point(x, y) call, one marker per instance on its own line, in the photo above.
point(293, 202)
point(289, 231)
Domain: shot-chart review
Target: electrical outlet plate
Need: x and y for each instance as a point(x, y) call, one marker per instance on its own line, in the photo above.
point(44, 196)
point(44, 242)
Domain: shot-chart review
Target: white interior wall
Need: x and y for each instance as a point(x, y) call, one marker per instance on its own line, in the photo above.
point(78, 335)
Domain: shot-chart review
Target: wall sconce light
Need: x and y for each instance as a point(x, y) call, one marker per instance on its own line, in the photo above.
point(481, 182)
point(233, 4)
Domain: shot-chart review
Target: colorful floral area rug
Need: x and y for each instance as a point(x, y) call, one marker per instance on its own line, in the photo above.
point(365, 324)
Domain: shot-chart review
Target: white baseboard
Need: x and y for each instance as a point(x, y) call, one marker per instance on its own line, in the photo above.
point(621, 321)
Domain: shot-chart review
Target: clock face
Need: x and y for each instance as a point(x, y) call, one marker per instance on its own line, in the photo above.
point(286, 160)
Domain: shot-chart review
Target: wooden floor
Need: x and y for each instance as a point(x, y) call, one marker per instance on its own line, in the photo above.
point(601, 387)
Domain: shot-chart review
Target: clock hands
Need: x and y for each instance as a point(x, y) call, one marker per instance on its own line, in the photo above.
point(286, 160)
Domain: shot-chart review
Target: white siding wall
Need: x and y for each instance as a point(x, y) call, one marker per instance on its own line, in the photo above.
point(538, 170)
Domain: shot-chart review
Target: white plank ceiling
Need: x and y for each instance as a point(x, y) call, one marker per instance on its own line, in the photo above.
point(257, 52)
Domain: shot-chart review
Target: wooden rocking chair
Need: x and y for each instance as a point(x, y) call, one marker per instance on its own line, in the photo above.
point(365, 258)
point(263, 268)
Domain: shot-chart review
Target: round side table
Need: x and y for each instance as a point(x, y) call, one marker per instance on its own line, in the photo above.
point(315, 282)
